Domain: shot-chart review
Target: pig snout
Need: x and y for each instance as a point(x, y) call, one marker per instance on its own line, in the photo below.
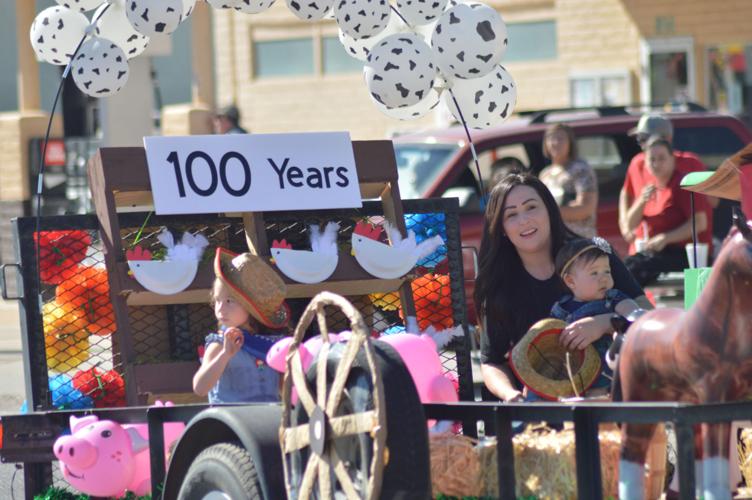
point(75, 452)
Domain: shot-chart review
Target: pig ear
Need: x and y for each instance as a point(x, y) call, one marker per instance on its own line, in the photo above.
point(80, 423)
point(138, 443)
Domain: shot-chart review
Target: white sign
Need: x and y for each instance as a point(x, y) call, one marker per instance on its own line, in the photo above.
point(252, 172)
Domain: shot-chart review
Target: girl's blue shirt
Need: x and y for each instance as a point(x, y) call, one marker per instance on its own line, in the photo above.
point(246, 379)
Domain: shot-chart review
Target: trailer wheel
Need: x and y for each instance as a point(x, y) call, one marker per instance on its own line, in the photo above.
point(335, 440)
point(221, 471)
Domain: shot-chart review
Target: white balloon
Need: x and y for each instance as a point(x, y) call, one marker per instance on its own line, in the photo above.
point(252, 6)
point(359, 49)
point(56, 32)
point(419, 12)
point(483, 101)
point(469, 40)
point(223, 4)
point(188, 6)
point(154, 17)
point(310, 10)
point(399, 71)
point(114, 25)
point(100, 69)
point(413, 112)
point(80, 5)
point(361, 18)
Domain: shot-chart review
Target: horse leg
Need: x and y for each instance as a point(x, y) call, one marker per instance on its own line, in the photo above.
point(635, 440)
point(674, 486)
point(715, 463)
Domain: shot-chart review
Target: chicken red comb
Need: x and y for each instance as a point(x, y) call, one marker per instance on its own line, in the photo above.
point(281, 244)
point(138, 253)
point(368, 230)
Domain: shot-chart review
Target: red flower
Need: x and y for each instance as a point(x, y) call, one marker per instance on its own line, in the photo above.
point(60, 252)
point(107, 389)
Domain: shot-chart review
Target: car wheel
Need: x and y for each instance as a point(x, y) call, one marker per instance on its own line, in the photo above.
point(223, 471)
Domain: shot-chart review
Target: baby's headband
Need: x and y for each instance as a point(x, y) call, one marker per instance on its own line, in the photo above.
point(598, 243)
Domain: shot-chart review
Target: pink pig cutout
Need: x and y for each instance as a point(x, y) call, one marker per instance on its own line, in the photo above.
point(418, 352)
point(105, 459)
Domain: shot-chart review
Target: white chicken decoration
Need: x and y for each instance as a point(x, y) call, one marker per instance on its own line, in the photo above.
point(177, 271)
point(309, 266)
point(389, 261)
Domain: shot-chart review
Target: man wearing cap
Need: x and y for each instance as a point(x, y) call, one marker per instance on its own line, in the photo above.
point(652, 125)
point(227, 121)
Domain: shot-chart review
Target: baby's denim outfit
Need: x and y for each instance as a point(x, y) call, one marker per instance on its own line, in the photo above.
point(247, 378)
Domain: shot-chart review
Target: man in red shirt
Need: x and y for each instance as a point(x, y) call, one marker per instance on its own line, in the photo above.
point(659, 214)
point(638, 175)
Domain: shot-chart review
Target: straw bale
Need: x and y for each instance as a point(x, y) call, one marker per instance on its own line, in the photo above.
point(544, 463)
point(455, 466)
point(744, 447)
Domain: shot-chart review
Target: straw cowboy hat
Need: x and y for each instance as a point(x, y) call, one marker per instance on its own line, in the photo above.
point(255, 285)
point(540, 362)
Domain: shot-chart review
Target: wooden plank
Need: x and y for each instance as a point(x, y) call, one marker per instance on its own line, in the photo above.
point(133, 199)
point(255, 233)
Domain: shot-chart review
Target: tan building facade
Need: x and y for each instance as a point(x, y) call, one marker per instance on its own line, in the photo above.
point(287, 75)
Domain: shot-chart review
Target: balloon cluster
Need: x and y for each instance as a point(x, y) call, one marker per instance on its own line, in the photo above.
point(416, 54)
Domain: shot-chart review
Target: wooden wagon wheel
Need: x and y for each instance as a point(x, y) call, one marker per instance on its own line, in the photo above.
point(325, 421)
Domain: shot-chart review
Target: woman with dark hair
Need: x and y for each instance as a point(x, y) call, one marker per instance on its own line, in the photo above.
point(571, 180)
point(517, 283)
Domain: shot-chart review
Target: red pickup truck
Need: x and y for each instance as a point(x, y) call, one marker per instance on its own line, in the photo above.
point(438, 163)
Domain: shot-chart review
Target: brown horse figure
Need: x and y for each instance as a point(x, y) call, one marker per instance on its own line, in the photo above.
point(703, 355)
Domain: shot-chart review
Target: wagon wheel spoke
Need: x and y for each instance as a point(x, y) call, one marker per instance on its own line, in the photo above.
point(295, 438)
point(357, 423)
point(323, 357)
point(342, 476)
point(299, 383)
point(340, 377)
point(325, 482)
point(309, 476)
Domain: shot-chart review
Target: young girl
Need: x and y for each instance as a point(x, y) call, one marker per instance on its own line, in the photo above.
point(584, 267)
point(248, 297)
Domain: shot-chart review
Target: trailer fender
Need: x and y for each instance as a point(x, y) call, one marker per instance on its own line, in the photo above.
point(255, 427)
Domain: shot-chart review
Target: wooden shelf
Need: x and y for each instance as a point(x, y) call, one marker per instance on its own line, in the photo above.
point(168, 377)
point(348, 279)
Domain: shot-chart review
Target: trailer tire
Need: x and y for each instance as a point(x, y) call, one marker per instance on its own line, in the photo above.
point(222, 468)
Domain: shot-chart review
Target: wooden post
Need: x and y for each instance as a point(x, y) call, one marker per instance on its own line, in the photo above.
point(28, 69)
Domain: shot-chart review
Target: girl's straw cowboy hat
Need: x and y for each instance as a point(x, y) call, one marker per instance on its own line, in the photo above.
point(255, 285)
point(540, 362)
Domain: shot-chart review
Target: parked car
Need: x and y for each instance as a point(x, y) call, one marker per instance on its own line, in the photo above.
point(438, 163)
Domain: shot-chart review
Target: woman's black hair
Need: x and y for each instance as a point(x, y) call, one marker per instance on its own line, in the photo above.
point(497, 295)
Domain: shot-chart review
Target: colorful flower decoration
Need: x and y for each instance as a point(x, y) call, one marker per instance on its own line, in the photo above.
point(87, 294)
point(65, 338)
point(60, 252)
point(433, 301)
point(427, 226)
point(105, 388)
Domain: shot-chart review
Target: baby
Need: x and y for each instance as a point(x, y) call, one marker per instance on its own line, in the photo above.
point(584, 267)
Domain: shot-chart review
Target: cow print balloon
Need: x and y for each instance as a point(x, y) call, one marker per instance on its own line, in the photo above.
point(483, 101)
point(413, 112)
point(361, 18)
point(55, 34)
point(81, 5)
point(154, 17)
point(469, 40)
point(252, 6)
point(115, 26)
point(100, 69)
point(188, 6)
point(419, 12)
point(400, 70)
point(359, 49)
point(310, 10)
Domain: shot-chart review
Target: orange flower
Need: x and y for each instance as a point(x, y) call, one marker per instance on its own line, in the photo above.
point(87, 293)
point(433, 301)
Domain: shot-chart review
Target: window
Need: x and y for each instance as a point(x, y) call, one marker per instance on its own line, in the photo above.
point(729, 77)
point(670, 75)
point(711, 144)
point(419, 165)
point(283, 57)
point(531, 41)
point(336, 60)
point(600, 89)
point(602, 153)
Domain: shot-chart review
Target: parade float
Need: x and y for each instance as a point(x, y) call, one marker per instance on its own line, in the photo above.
point(115, 305)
